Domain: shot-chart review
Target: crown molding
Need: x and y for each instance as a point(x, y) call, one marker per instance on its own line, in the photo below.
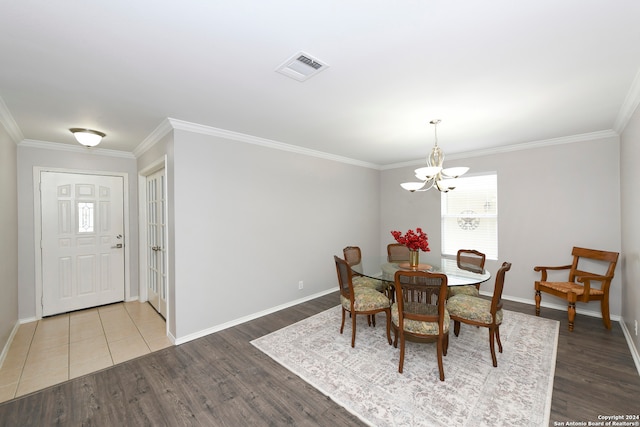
point(515, 147)
point(250, 139)
point(31, 143)
point(154, 137)
point(6, 120)
point(629, 105)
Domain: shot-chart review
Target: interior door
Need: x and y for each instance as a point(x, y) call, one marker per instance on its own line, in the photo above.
point(82, 241)
point(156, 243)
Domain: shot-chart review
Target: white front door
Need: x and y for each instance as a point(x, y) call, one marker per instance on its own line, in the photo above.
point(82, 241)
point(156, 243)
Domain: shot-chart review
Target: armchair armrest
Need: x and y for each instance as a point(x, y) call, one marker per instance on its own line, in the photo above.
point(543, 270)
point(586, 279)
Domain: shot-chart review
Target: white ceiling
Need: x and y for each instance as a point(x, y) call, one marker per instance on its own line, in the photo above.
point(497, 72)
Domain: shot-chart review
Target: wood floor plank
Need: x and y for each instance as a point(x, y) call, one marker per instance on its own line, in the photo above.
point(223, 380)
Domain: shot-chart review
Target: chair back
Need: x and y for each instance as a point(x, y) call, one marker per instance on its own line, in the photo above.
point(352, 255)
point(470, 259)
point(581, 255)
point(397, 252)
point(496, 300)
point(344, 277)
point(415, 292)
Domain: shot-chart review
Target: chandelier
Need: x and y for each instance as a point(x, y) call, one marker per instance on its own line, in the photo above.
point(433, 175)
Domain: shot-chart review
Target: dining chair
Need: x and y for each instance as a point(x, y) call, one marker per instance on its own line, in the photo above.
point(470, 260)
point(580, 285)
point(359, 300)
point(397, 252)
point(353, 257)
point(419, 313)
point(474, 310)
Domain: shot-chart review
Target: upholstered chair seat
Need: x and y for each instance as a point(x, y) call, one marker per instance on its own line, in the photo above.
point(365, 299)
point(472, 308)
point(368, 282)
point(419, 327)
point(469, 290)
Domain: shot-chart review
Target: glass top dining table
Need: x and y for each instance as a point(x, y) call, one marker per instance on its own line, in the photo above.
point(381, 268)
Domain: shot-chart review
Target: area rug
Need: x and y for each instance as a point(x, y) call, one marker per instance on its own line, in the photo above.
point(365, 379)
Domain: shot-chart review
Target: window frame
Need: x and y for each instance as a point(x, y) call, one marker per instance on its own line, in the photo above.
point(491, 249)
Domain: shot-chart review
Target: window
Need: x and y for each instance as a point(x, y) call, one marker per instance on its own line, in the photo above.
point(470, 216)
point(85, 217)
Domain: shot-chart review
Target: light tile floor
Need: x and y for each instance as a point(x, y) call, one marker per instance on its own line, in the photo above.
point(59, 348)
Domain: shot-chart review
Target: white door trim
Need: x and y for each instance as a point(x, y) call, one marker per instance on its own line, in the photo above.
point(37, 227)
point(155, 166)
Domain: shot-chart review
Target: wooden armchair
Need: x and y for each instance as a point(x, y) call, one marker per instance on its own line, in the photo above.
point(580, 287)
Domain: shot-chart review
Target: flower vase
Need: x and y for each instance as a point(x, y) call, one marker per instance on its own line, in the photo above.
point(414, 259)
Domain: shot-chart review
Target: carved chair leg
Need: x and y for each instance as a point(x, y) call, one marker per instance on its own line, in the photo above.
point(538, 298)
point(342, 324)
point(353, 330)
point(491, 346)
point(572, 314)
point(456, 327)
point(388, 313)
point(440, 346)
point(395, 336)
point(401, 364)
point(606, 319)
point(446, 344)
point(498, 339)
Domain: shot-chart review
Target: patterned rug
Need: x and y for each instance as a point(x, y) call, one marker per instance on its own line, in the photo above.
point(365, 379)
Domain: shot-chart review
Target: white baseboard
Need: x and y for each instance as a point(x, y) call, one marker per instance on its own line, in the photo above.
point(217, 328)
point(627, 334)
point(632, 347)
point(561, 307)
point(7, 345)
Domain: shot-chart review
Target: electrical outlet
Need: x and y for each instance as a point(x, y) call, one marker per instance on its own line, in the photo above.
point(301, 285)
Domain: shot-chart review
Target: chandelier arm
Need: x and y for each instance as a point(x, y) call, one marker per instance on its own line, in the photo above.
point(433, 174)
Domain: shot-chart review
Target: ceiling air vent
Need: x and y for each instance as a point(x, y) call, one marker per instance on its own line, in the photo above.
point(301, 66)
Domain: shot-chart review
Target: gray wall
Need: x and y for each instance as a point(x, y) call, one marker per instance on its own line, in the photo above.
point(549, 199)
point(250, 222)
point(151, 157)
point(9, 237)
point(81, 159)
point(629, 179)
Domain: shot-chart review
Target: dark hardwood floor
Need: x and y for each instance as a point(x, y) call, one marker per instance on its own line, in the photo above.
point(222, 380)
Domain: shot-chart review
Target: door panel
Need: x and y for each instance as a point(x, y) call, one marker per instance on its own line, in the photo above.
point(156, 248)
point(82, 241)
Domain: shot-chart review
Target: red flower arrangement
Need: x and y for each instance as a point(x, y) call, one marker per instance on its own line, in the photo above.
point(413, 240)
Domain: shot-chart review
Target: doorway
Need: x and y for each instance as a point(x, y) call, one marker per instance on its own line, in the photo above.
point(82, 240)
point(156, 250)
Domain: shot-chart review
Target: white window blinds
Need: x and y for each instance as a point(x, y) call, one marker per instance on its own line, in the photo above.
point(470, 216)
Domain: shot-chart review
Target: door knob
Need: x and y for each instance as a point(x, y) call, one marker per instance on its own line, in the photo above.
point(118, 246)
point(156, 248)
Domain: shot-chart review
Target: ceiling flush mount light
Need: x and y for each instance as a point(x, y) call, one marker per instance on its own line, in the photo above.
point(433, 175)
point(87, 137)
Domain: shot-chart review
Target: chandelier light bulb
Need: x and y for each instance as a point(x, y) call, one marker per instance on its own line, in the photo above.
point(433, 175)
